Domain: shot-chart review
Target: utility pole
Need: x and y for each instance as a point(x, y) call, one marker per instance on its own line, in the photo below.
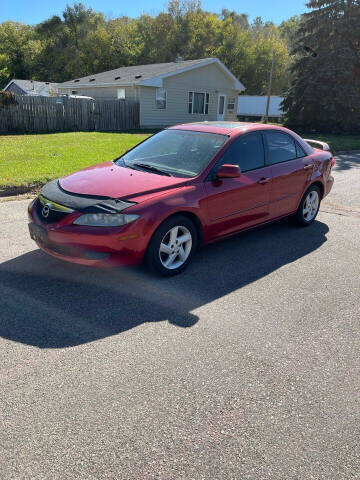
point(269, 90)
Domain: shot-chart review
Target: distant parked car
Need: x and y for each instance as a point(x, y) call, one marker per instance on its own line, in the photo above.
point(187, 185)
point(65, 95)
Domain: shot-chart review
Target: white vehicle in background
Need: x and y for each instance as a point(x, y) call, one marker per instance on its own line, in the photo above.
point(253, 107)
point(65, 95)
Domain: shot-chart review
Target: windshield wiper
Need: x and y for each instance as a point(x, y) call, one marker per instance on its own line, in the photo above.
point(151, 168)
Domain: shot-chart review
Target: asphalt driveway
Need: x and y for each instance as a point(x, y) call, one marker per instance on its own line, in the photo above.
point(246, 366)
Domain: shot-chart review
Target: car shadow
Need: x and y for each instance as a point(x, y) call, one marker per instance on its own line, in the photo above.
point(53, 304)
point(347, 161)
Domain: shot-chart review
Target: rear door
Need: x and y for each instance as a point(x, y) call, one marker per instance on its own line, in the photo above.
point(237, 203)
point(291, 169)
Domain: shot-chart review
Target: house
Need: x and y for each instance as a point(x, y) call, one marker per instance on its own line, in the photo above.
point(168, 93)
point(253, 107)
point(31, 87)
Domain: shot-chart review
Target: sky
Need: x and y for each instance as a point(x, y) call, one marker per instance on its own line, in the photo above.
point(35, 11)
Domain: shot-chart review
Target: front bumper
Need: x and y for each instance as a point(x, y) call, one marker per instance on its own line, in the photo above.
point(92, 246)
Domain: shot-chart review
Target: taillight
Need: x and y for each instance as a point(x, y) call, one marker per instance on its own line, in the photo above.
point(333, 161)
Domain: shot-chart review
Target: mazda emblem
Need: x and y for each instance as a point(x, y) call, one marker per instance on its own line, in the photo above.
point(46, 210)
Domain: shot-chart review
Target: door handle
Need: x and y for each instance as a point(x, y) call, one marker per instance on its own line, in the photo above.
point(308, 166)
point(264, 180)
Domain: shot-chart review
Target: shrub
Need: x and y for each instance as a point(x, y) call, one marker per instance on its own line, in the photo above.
point(7, 98)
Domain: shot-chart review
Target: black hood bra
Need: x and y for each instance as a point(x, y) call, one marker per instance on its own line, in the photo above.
point(86, 203)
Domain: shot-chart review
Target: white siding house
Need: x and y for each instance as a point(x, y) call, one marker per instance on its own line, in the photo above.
point(168, 93)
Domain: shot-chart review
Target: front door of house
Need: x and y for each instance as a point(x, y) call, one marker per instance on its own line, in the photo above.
point(221, 107)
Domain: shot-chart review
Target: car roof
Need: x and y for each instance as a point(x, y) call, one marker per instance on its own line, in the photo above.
point(227, 128)
point(234, 129)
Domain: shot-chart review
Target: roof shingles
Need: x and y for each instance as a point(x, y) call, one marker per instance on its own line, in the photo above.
point(135, 74)
point(34, 86)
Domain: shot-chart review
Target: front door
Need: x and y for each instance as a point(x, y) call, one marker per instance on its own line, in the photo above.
point(291, 169)
point(237, 203)
point(221, 107)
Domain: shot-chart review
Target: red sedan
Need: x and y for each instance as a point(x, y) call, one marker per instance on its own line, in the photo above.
point(185, 186)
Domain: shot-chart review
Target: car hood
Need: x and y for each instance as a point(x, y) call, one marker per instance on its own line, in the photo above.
point(110, 180)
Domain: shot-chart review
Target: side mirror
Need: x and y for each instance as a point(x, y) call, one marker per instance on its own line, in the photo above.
point(228, 171)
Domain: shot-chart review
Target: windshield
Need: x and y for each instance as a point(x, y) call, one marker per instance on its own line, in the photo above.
point(179, 153)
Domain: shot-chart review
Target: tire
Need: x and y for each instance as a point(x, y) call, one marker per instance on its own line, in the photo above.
point(309, 206)
point(165, 254)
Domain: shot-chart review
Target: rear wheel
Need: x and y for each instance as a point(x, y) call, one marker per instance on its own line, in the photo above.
point(309, 206)
point(172, 245)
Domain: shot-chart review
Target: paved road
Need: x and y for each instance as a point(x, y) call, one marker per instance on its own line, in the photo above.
point(346, 193)
point(246, 366)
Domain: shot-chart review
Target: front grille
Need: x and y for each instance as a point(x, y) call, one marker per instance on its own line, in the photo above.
point(53, 215)
point(76, 252)
point(62, 249)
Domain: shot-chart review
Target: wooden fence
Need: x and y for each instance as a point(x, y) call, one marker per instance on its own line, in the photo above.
point(59, 114)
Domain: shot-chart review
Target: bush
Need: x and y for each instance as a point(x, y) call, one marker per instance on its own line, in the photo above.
point(7, 98)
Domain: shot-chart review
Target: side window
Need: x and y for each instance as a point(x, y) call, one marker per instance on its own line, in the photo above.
point(120, 93)
point(247, 152)
point(280, 147)
point(299, 151)
point(160, 98)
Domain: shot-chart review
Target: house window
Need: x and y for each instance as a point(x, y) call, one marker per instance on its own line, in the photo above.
point(120, 93)
point(198, 102)
point(190, 103)
point(160, 100)
point(231, 103)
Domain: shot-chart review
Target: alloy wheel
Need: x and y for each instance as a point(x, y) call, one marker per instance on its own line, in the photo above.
point(311, 205)
point(175, 247)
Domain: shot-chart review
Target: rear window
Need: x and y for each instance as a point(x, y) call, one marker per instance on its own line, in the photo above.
point(299, 151)
point(281, 147)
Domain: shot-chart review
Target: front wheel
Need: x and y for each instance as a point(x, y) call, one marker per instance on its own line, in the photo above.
point(172, 246)
point(309, 206)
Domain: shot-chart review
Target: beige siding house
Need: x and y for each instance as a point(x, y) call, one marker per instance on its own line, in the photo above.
point(168, 93)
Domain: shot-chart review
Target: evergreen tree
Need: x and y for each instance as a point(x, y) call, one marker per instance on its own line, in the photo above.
point(325, 89)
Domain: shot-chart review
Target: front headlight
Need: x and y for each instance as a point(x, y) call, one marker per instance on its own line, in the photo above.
point(31, 204)
point(105, 219)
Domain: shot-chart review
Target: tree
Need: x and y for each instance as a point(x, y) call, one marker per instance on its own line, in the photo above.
point(325, 90)
point(289, 30)
point(241, 19)
point(14, 38)
point(125, 47)
point(82, 42)
point(4, 72)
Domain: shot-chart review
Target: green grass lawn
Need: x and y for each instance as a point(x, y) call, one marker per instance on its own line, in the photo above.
point(27, 161)
point(337, 142)
point(32, 160)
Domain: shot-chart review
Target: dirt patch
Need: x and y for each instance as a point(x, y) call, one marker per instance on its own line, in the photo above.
point(12, 191)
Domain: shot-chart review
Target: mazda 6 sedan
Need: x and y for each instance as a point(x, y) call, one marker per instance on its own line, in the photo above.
point(185, 186)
